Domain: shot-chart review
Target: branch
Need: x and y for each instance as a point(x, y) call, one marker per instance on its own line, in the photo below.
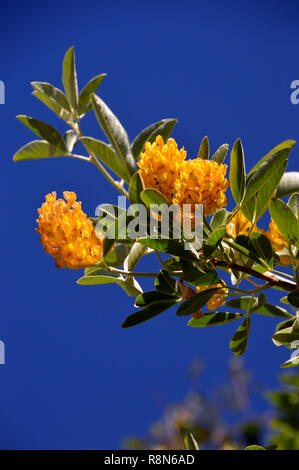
point(271, 279)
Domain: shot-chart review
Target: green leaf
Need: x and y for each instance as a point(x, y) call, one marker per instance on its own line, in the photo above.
point(146, 313)
point(107, 155)
point(153, 197)
point(136, 252)
point(267, 191)
point(285, 220)
point(254, 447)
point(38, 149)
point(99, 276)
point(190, 442)
point(204, 149)
point(149, 134)
point(108, 244)
point(292, 362)
point(219, 219)
point(262, 300)
point(52, 97)
point(286, 145)
point(246, 246)
point(220, 154)
point(285, 324)
point(84, 104)
point(213, 241)
point(139, 142)
point(241, 249)
point(262, 178)
point(172, 263)
point(239, 341)
point(255, 207)
point(135, 188)
point(130, 286)
point(242, 303)
point(151, 297)
point(249, 208)
point(169, 246)
point(164, 130)
point(96, 267)
point(284, 300)
point(237, 172)
point(70, 139)
point(44, 131)
point(289, 184)
point(198, 276)
point(166, 284)
point(114, 132)
point(69, 78)
point(293, 298)
point(286, 336)
point(117, 256)
point(215, 318)
point(216, 236)
point(262, 247)
point(293, 203)
point(196, 302)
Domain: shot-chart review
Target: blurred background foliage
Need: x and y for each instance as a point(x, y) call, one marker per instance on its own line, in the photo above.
point(224, 418)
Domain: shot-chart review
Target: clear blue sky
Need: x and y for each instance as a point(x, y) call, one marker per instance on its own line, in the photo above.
point(73, 378)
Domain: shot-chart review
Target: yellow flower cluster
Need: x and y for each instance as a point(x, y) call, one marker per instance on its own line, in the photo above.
point(217, 299)
point(159, 165)
point(240, 225)
point(67, 233)
point(278, 242)
point(183, 181)
point(201, 182)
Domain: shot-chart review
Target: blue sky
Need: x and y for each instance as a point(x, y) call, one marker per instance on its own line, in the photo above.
point(73, 378)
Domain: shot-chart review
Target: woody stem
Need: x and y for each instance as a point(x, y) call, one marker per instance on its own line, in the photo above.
point(272, 280)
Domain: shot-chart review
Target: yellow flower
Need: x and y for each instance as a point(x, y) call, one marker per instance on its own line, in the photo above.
point(277, 240)
point(67, 233)
point(217, 299)
point(240, 225)
point(201, 182)
point(159, 165)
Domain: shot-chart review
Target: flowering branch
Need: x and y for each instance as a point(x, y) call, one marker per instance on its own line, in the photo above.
point(153, 170)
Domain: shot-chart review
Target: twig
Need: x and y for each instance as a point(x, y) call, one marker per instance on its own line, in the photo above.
point(272, 280)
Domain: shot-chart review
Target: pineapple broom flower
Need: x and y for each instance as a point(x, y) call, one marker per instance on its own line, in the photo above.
point(67, 234)
point(159, 165)
point(280, 244)
point(240, 225)
point(201, 182)
point(195, 181)
point(277, 240)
